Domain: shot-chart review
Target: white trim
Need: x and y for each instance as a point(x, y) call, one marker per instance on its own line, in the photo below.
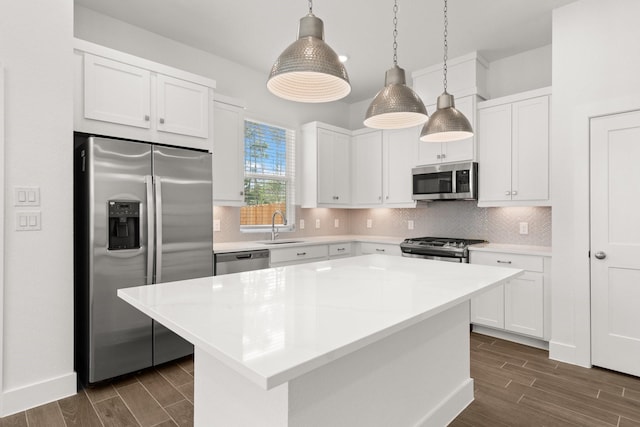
point(473, 56)
point(2, 252)
point(544, 91)
point(564, 353)
point(23, 398)
point(508, 336)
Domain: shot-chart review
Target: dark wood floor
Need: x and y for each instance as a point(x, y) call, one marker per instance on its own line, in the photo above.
point(515, 385)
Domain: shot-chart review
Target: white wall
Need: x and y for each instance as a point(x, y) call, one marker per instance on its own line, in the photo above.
point(520, 73)
point(35, 49)
point(231, 78)
point(596, 64)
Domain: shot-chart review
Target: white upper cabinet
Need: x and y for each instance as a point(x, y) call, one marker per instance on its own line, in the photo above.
point(228, 152)
point(381, 167)
point(120, 95)
point(513, 150)
point(452, 151)
point(183, 107)
point(325, 165)
point(116, 92)
point(366, 149)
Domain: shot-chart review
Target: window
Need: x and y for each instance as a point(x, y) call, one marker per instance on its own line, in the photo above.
point(269, 172)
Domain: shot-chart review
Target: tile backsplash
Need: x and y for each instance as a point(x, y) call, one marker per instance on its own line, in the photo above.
point(439, 219)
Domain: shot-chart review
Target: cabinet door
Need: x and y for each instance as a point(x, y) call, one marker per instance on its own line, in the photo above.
point(367, 168)
point(524, 305)
point(117, 93)
point(367, 248)
point(494, 153)
point(530, 149)
point(228, 154)
point(183, 107)
point(461, 151)
point(400, 148)
point(488, 308)
point(334, 184)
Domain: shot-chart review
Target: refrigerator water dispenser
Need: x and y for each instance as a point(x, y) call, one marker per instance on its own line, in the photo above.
point(124, 225)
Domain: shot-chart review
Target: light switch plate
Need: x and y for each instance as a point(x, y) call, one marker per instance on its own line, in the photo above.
point(26, 196)
point(524, 228)
point(317, 223)
point(28, 220)
point(369, 223)
point(216, 225)
point(410, 224)
point(336, 223)
point(302, 224)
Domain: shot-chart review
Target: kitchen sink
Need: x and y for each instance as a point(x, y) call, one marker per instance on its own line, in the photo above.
point(279, 242)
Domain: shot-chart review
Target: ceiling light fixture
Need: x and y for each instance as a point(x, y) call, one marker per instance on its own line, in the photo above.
point(446, 123)
point(309, 70)
point(396, 106)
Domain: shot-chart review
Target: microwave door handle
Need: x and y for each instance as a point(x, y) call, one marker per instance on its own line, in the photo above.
point(158, 188)
point(454, 182)
point(148, 180)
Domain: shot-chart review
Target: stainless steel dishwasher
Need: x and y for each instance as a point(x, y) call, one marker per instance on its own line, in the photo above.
point(236, 262)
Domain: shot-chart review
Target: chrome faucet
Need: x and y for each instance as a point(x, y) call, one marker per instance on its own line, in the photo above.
point(274, 231)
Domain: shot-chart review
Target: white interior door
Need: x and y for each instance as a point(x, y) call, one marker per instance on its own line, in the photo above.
point(615, 242)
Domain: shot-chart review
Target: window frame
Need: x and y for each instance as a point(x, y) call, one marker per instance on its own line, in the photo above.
point(289, 178)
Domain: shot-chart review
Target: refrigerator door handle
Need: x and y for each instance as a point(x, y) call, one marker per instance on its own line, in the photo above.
point(148, 180)
point(158, 194)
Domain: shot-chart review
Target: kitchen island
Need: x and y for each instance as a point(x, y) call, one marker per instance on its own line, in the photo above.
point(372, 340)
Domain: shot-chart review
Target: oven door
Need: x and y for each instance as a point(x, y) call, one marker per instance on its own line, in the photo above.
point(435, 257)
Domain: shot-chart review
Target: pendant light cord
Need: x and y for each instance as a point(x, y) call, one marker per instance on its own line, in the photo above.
point(395, 32)
point(310, 7)
point(446, 46)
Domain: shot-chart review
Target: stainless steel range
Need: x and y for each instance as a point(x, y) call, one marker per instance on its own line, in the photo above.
point(438, 248)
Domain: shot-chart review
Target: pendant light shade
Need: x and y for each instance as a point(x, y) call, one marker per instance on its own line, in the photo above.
point(309, 70)
point(396, 106)
point(446, 123)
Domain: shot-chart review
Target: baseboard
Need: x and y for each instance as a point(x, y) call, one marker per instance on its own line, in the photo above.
point(450, 407)
point(520, 339)
point(32, 395)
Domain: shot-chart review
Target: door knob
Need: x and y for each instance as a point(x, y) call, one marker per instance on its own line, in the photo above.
point(600, 255)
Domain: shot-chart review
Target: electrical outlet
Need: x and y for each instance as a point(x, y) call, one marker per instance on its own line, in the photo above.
point(336, 223)
point(216, 225)
point(317, 223)
point(302, 224)
point(410, 224)
point(369, 223)
point(524, 228)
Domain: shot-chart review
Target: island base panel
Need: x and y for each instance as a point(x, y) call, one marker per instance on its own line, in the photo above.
point(418, 376)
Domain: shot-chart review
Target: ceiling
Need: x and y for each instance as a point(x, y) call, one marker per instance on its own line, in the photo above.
point(255, 32)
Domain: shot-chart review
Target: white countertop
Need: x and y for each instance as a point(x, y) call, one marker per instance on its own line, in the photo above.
point(276, 324)
point(512, 249)
point(301, 241)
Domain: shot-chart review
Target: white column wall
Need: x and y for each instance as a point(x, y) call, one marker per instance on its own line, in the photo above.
point(37, 353)
point(596, 64)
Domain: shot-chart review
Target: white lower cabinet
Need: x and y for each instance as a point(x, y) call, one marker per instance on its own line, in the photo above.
point(520, 306)
point(298, 255)
point(340, 250)
point(366, 248)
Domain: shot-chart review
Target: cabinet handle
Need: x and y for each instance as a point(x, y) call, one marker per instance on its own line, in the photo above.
point(379, 197)
point(379, 250)
point(514, 192)
point(341, 249)
point(301, 253)
point(439, 156)
point(503, 262)
point(242, 193)
point(161, 121)
point(146, 118)
point(444, 156)
point(387, 198)
point(507, 193)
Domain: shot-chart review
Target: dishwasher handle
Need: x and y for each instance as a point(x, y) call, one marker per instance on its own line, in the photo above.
point(242, 256)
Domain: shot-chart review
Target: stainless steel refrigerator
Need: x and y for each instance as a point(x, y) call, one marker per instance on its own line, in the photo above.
point(143, 215)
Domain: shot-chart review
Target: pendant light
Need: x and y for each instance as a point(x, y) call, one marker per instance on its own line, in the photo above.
point(396, 106)
point(309, 70)
point(446, 123)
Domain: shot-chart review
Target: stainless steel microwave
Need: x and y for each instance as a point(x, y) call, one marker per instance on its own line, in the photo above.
point(454, 181)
